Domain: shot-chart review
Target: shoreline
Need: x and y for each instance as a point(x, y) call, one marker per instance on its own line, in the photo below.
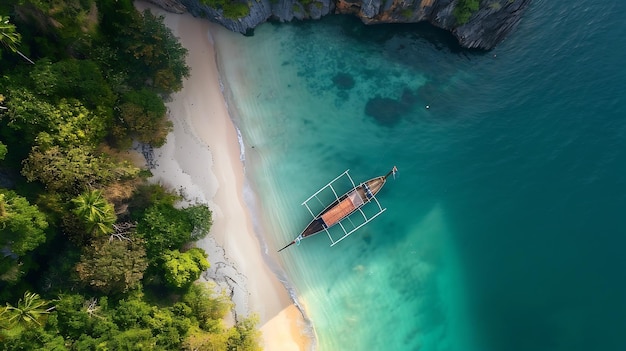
point(202, 159)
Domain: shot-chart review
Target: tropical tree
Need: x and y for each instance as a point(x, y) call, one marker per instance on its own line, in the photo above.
point(10, 38)
point(74, 170)
point(245, 336)
point(95, 212)
point(71, 78)
point(27, 113)
point(151, 48)
point(142, 115)
point(112, 266)
point(29, 311)
point(22, 229)
point(201, 218)
point(182, 269)
point(65, 123)
point(164, 227)
point(22, 225)
point(207, 308)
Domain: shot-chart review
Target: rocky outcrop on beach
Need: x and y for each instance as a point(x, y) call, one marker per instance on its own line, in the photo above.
point(484, 27)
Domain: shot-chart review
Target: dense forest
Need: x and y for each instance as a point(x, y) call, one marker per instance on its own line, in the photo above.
point(93, 256)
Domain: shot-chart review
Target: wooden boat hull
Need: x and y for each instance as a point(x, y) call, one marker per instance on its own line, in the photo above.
point(344, 206)
point(341, 208)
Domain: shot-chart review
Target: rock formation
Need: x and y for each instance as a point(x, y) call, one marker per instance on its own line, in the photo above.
point(486, 26)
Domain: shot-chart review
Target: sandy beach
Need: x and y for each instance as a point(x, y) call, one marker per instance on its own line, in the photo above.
point(202, 160)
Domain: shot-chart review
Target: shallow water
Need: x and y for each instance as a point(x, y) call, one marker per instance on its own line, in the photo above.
point(505, 227)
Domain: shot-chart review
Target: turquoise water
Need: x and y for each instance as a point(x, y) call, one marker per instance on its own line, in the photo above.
point(506, 227)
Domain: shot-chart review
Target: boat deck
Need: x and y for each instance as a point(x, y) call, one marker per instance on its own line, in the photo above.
point(353, 201)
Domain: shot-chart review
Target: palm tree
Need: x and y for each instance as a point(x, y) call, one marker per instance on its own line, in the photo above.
point(10, 38)
point(95, 212)
point(28, 312)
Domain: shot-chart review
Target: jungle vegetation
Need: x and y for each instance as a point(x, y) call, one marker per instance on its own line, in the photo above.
point(92, 256)
point(464, 9)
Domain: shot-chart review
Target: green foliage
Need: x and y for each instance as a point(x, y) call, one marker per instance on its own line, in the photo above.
point(27, 113)
point(150, 49)
point(132, 313)
point(242, 337)
point(29, 312)
point(9, 37)
point(59, 28)
point(22, 229)
point(406, 13)
point(67, 123)
point(182, 269)
point(142, 116)
point(75, 170)
point(495, 6)
point(231, 9)
point(22, 225)
point(79, 79)
point(3, 151)
point(164, 227)
point(77, 316)
point(245, 336)
point(112, 266)
point(207, 309)
point(201, 219)
point(147, 195)
point(95, 212)
point(59, 276)
point(32, 339)
point(73, 126)
point(80, 323)
point(165, 328)
point(236, 10)
point(464, 10)
point(101, 72)
point(133, 340)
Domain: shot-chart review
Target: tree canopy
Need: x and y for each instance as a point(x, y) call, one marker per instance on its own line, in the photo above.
point(112, 266)
point(182, 269)
point(95, 212)
point(92, 256)
point(3, 151)
point(10, 38)
point(22, 229)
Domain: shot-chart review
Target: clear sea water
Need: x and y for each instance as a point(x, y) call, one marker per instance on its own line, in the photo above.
point(506, 228)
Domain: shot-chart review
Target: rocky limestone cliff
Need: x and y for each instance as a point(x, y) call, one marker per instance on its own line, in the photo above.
point(485, 28)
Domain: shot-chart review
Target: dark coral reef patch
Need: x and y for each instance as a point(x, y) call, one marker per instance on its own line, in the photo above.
point(343, 81)
point(387, 111)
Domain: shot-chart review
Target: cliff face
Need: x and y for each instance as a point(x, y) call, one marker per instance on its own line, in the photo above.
point(485, 28)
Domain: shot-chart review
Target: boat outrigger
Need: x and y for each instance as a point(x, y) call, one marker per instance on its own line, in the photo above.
point(344, 206)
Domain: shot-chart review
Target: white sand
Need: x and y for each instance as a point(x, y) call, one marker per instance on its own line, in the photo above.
point(202, 159)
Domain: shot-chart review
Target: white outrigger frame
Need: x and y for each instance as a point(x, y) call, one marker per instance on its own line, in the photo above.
point(359, 209)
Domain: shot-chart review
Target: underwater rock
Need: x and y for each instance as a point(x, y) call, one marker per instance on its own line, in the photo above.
point(386, 111)
point(343, 81)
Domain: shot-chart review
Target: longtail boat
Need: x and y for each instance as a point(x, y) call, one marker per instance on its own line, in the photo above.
point(344, 206)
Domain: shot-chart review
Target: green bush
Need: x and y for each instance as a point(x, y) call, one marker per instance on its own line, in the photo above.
point(232, 9)
point(464, 9)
